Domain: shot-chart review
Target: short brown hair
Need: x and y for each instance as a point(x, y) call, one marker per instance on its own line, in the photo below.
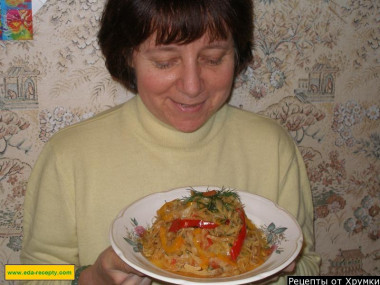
point(126, 24)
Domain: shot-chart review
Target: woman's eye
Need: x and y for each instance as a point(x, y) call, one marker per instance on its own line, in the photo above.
point(165, 63)
point(212, 61)
point(162, 65)
point(215, 61)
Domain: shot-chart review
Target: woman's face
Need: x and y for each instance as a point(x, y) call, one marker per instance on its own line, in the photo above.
point(184, 85)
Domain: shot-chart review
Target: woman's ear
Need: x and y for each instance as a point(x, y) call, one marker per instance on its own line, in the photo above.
point(130, 61)
point(128, 55)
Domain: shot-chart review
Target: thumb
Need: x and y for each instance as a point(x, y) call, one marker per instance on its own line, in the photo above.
point(119, 264)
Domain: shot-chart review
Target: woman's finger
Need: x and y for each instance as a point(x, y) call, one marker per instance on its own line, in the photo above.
point(290, 267)
point(119, 264)
point(133, 279)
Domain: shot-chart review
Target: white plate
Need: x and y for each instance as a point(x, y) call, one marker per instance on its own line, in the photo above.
point(282, 230)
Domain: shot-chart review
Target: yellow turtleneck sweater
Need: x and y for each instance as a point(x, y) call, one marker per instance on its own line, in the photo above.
point(90, 171)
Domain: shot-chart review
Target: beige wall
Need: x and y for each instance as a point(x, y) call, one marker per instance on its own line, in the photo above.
point(316, 71)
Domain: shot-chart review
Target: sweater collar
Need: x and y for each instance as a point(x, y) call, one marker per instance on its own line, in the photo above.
point(158, 132)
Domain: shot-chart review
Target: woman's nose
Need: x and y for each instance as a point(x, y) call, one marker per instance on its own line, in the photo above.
point(190, 81)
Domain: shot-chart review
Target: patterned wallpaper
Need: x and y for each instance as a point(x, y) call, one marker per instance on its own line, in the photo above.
point(316, 71)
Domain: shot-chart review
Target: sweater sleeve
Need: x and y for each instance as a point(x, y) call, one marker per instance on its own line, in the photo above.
point(49, 215)
point(295, 196)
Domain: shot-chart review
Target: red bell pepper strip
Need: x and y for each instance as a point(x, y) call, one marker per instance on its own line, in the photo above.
point(178, 224)
point(209, 193)
point(236, 247)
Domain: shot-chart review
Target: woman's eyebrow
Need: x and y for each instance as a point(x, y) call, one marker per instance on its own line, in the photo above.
point(219, 45)
point(223, 45)
point(160, 48)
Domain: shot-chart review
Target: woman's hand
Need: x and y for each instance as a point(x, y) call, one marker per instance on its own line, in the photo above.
point(110, 269)
point(290, 268)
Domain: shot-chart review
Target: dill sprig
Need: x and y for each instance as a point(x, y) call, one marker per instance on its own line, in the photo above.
point(209, 199)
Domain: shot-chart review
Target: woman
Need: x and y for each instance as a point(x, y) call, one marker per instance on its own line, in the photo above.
point(181, 57)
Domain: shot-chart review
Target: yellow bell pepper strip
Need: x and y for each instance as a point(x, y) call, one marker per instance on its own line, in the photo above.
point(225, 259)
point(175, 246)
point(166, 211)
point(203, 255)
point(206, 255)
point(178, 224)
point(236, 247)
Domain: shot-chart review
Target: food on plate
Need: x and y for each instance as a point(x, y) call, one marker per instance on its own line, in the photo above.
point(206, 234)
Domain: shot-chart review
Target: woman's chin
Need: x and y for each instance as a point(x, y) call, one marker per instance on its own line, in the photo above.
point(187, 126)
